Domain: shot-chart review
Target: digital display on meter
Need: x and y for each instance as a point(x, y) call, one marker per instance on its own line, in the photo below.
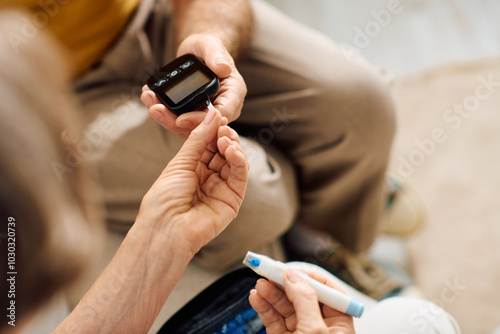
point(185, 84)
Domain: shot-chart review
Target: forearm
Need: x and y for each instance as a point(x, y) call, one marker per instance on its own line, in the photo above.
point(229, 20)
point(131, 291)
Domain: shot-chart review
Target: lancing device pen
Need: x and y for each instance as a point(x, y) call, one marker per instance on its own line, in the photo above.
point(274, 271)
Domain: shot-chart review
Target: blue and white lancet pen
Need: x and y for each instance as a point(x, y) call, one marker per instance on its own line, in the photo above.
point(274, 270)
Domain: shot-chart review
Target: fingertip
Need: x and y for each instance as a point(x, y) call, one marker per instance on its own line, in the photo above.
point(324, 280)
point(210, 115)
point(223, 131)
point(156, 115)
point(194, 117)
point(223, 144)
point(209, 123)
point(147, 98)
point(227, 131)
point(256, 301)
point(239, 155)
point(234, 134)
point(211, 50)
point(185, 124)
point(294, 276)
point(261, 282)
point(222, 68)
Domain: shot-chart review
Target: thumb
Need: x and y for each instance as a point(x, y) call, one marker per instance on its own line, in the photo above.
point(200, 138)
point(211, 50)
point(305, 303)
point(219, 60)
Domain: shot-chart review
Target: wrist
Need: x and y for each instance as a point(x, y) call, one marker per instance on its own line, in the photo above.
point(136, 283)
point(233, 25)
point(160, 230)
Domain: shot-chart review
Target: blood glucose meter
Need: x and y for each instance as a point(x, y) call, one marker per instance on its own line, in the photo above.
point(184, 85)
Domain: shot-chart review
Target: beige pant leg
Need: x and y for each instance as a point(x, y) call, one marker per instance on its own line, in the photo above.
point(330, 113)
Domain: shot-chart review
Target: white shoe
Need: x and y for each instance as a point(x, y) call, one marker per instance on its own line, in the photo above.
point(405, 211)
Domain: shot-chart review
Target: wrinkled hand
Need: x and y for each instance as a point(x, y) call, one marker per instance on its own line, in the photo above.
point(296, 310)
point(201, 190)
point(229, 99)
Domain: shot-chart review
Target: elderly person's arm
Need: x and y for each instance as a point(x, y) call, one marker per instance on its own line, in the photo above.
point(231, 21)
point(217, 31)
point(197, 195)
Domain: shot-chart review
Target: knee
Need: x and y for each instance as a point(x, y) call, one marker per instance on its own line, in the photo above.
point(360, 101)
point(271, 200)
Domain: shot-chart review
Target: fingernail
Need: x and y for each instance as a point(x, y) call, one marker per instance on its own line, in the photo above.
point(158, 116)
point(294, 276)
point(253, 291)
point(186, 125)
point(221, 61)
point(209, 117)
point(149, 100)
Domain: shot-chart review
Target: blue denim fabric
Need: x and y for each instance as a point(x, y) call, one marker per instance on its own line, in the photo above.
point(222, 308)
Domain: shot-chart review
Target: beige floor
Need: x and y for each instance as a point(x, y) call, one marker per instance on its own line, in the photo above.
point(453, 159)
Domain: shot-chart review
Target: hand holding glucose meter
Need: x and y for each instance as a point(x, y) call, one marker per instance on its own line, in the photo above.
point(185, 84)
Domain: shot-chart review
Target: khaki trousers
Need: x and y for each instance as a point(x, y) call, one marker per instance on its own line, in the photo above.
point(317, 123)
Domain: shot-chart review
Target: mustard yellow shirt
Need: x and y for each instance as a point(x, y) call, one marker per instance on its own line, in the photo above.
point(86, 27)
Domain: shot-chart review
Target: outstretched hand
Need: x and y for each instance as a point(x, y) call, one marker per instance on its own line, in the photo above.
point(201, 190)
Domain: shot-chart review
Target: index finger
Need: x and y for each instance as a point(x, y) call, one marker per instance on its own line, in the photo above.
point(199, 140)
point(323, 279)
point(331, 315)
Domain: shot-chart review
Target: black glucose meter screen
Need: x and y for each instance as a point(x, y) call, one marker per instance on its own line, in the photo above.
point(187, 86)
